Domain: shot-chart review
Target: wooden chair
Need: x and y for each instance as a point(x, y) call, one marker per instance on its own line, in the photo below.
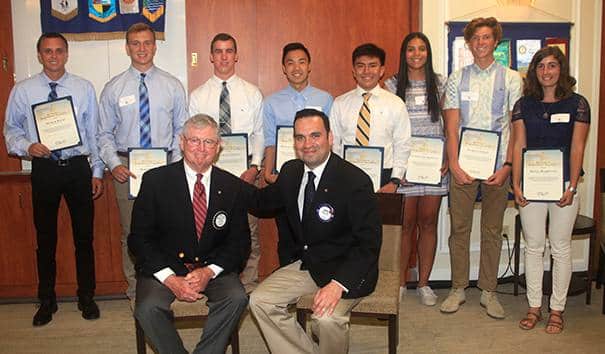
point(186, 312)
point(383, 303)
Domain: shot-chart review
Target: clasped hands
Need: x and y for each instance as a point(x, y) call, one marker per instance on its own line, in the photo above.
point(190, 287)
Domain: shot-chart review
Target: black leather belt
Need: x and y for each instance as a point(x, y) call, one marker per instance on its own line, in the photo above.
point(68, 161)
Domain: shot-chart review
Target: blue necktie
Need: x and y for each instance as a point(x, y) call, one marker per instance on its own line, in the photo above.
point(224, 114)
point(52, 95)
point(145, 121)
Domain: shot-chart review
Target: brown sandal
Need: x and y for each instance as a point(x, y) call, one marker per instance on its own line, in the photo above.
point(531, 319)
point(555, 323)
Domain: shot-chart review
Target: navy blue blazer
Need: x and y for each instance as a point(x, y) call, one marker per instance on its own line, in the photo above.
point(163, 224)
point(341, 237)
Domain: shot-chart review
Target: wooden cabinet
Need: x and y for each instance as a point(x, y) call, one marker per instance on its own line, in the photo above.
point(18, 277)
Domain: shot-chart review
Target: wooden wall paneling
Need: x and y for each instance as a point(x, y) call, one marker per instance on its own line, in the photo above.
point(598, 213)
point(330, 29)
point(18, 254)
point(206, 18)
point(17, 238)
point(7, 80)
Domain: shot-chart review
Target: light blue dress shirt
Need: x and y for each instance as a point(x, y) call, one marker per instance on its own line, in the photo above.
point(281, 107)
point(119, 113)
point(20, 128)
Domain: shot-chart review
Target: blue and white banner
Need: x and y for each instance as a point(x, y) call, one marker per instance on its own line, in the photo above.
point(100, 19)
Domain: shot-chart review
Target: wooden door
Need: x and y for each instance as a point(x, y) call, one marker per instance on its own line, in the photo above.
point(7, 80)
point(598, 213)
point(330, 29)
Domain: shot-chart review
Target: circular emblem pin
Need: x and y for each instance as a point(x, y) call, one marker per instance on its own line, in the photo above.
point(219, 220)
point(325, 212)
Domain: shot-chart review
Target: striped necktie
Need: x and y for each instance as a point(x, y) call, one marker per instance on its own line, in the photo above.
point(199, 205)
point(52, 95)
point(224, 113)
point(145, 120)
point(362, 133)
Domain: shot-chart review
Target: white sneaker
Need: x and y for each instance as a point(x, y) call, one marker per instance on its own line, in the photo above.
point(402, 291)
point(427, 296)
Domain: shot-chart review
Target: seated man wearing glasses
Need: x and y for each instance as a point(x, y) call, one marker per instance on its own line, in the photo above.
point(190, 236)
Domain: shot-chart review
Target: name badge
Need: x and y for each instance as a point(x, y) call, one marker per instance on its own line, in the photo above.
point(325, 212)
point(419, 100)
point(559, 118)
point(469, 96)
point(219, 220)
point(127, 100)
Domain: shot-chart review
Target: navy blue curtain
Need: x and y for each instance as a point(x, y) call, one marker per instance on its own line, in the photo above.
point(82, 23)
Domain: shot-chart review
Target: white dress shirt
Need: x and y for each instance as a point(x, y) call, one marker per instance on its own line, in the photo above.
point(245, 101)
point(389, 125)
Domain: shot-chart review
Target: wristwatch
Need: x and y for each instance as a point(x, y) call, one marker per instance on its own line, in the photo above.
point(396, 181)
point(508, 163)
point(572, 189)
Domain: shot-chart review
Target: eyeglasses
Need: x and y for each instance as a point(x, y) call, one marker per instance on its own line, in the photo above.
point(195, 142)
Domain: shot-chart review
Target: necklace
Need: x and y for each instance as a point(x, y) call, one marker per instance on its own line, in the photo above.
point(546, 109)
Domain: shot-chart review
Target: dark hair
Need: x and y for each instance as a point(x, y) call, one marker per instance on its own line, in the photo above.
point(403, 82)
point(565, 84)
point(223, 37)
point(50, 35)
point(311, 112)
point(491, 22)
point(294, 46)
point(370, 50)
point(139, 27)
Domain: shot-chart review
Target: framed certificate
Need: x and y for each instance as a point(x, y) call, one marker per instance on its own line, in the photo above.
point(370, 159)
point(284, 146)
point(234, 153)
point(478, 152)
point(542, 176)
point(56, 124)
point(425, 161)
point(141, 160)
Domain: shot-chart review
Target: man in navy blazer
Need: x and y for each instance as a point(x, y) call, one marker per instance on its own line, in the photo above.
point(329, 249)
point(182, 254)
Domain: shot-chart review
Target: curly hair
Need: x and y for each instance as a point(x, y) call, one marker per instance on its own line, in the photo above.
point(565, 84)
point(491, 22)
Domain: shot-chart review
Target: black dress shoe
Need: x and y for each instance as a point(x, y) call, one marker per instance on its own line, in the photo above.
point(45, 313)
point(90, 310)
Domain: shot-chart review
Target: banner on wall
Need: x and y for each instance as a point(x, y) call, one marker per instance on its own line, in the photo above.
point(84, 20)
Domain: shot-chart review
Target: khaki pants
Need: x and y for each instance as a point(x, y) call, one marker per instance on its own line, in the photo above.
point(125, 206)
point(269, 305)
point(493, 205)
